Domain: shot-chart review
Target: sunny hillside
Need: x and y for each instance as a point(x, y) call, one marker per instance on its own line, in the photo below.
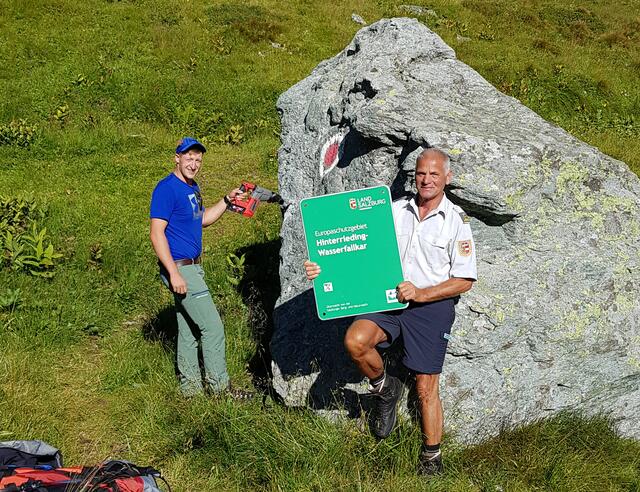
point(95, 95)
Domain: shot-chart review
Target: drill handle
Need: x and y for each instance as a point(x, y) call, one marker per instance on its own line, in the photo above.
point(247, 187)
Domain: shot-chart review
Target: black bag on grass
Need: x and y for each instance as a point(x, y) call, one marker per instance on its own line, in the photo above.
point(29, 453)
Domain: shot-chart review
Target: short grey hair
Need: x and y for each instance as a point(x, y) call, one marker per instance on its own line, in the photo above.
point(442, 154)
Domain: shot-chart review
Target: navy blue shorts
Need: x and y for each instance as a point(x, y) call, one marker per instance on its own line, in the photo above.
point(425, 330)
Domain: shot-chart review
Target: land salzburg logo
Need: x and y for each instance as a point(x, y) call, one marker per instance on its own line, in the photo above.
point(365, 202)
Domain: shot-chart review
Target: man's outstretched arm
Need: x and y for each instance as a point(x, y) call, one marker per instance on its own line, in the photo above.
point(213, 213)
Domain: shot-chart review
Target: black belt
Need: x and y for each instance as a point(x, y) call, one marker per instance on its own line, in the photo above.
point(188, 261)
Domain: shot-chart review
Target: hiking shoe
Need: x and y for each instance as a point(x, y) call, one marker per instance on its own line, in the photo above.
point(234, 393)
point(430, 467)
point(239, 394)
point(386, 411)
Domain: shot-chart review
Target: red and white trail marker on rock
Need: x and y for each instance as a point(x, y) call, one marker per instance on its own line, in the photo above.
point(332, 150)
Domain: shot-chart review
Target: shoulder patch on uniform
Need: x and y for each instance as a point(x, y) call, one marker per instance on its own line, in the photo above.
point(465, 218)
point(465, 248)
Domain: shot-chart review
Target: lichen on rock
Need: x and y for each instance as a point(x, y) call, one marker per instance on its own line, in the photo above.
point(553, 322)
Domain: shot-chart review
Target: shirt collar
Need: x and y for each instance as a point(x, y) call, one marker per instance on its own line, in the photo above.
point(442, 208)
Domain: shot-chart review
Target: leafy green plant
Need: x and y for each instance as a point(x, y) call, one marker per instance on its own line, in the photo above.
point(61, 114)
point(95, 255)
point(233, 136)
point(10, 300)
point(188, 119)
point(13, 252)
point(40, 261)
point(17, 213)
point(267, 124)
point(18, 133)
point(453, 25)
point(28, 252)
point(81, 80)
point(218, 45)
point(236, 266)
point(486, 35)
point(25, 246)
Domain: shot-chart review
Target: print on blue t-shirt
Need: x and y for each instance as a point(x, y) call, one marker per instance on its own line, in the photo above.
point(196, 203)
point(180, 205)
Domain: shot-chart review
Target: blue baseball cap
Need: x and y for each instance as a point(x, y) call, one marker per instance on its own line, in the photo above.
point(188, 143)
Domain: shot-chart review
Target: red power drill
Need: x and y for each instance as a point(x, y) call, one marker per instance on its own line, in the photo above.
point(255, 195)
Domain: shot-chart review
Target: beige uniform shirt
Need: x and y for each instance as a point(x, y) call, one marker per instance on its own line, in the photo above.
point(436, 248)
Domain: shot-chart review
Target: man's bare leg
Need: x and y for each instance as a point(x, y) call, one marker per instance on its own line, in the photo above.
point(360, 341)
point(432, 421)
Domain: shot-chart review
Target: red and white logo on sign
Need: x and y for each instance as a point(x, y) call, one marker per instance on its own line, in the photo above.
point(352, 203)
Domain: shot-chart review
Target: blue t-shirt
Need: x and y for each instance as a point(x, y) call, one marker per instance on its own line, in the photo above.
point(181, 206)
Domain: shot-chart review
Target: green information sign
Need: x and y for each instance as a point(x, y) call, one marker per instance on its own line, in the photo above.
point(352, 238)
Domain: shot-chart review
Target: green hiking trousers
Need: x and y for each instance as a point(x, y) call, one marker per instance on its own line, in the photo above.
point(198, 324)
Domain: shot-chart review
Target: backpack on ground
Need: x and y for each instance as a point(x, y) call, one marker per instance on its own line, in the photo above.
point(29, 467)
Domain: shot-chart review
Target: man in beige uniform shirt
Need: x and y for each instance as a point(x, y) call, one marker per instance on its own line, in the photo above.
point(438, 261)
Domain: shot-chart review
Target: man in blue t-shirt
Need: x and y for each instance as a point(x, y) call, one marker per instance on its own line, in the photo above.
point(177, 218)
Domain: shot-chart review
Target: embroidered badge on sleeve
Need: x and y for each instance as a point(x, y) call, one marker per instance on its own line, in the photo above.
point(465, 247)
point(465, 218)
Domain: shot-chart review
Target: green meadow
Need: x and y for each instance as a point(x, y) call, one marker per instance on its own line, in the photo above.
point(95, 95)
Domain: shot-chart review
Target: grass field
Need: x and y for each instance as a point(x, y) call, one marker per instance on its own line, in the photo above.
point(95, 95)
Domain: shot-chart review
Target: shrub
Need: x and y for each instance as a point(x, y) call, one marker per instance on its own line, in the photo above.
point(18, 133)
point(24, 244)
point(17, 213)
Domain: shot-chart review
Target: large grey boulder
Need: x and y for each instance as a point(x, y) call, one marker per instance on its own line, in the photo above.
point(552, 324)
